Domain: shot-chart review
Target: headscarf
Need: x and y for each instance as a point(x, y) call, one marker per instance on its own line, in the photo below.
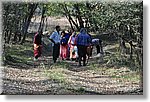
point(83, 31)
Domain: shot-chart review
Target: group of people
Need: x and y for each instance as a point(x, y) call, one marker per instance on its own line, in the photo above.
point(63, 44)
point(69, 45)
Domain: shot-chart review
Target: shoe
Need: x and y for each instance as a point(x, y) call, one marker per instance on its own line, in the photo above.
point(84, 64)
point(76, 60)
point(79, 65)
point(35, 59)
point(54, 61)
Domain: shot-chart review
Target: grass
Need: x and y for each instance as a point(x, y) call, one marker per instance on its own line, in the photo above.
point(62, 64)
point(56, 74)
point(18, 53)
point(132, 77)
point(115, 68)
point(79, 90)
point(117, 71)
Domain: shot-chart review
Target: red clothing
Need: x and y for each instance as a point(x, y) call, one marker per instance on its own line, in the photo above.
point(38, 39)
point(37, 50)
point(37, 45)
point(63, 51)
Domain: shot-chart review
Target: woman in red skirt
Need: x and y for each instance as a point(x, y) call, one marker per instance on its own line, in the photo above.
point(37, 46)
point(63, 46)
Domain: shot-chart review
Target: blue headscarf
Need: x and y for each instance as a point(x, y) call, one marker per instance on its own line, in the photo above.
point(83, 31)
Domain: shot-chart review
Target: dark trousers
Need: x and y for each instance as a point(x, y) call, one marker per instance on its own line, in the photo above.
point(56, 51)
point(82, 53)
point(98, 48)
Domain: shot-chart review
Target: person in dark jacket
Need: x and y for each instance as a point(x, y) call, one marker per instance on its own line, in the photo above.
point(83, 41)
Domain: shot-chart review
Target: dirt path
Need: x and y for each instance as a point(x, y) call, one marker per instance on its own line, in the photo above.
point(80, 80)
point(64, 77)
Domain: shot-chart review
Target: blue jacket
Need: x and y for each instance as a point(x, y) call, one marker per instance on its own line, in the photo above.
point(83, 39)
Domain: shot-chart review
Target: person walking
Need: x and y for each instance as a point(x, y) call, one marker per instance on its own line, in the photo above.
point(83, 41)
point(37, 46)
point(55, 38)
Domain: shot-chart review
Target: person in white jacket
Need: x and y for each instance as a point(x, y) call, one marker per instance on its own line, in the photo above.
point(55, 38)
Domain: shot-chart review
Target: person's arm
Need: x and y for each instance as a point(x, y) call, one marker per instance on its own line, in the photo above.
point(35, 41)
point(101, 46)
point(89, 40)
point(52, 37)
point(52, 41)
point(69, 41)
point(76, 40)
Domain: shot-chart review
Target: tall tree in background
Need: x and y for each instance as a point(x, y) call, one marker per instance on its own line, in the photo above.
point(17, 18)
point(31, 9)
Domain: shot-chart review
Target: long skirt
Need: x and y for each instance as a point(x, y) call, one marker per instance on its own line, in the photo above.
point(37, 50)
point(63, 51)
point(73, 52)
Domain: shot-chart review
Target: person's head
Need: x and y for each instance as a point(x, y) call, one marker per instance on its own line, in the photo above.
point(83, 30)
point(71, 31)
point(62, 33)
point(58, 28)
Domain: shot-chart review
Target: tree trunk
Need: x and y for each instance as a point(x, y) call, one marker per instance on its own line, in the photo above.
point(122, 46)
point(78, 15)
point(131, 49)
point(15, 37)
point(9, 36)
point(70, 22)
point(32, 8)
point(70, 19)
point(5, 23)
point(46, 24)
point(6, 31)
point(42, 20)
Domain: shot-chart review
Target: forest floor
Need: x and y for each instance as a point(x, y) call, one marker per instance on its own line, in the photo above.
point(24, 76)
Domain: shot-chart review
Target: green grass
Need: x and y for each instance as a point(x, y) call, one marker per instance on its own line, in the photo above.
point(133, 77)
point(18, 53)
point(93, 66)
point(62, 64)
point(24, 53)
point(56, 74)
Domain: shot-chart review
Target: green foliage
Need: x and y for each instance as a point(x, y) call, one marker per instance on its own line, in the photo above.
point(16, 17)
point(18, 55)
point(53, 9)
point(56, 75)
point(124, 19)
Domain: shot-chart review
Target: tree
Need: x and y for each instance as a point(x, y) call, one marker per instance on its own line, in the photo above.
point(17, 17)
point(31, 9)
